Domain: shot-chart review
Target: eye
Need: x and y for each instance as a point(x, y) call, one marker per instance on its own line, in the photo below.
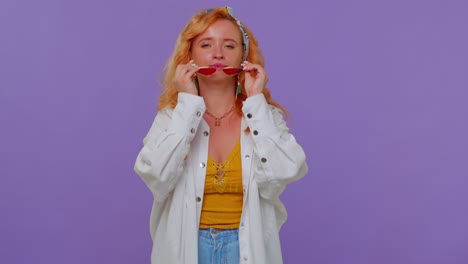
point(205, 45)
point(229, 46)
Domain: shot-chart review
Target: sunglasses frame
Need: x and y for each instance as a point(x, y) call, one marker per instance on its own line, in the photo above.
point(212, 70)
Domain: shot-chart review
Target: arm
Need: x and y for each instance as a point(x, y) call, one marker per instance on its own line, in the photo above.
point(279, 160)
point(161, 160)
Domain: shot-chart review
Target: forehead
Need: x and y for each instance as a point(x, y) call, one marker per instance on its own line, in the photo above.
point(223, 29)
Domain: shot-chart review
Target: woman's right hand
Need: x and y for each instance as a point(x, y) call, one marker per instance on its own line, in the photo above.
point(183, 81)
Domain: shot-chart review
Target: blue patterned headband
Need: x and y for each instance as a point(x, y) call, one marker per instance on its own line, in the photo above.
point(244, 32)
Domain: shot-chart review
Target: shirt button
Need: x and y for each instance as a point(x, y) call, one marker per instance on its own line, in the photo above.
point(264, 160)
point(202, 165)
point(242, 224)
point(198, 113)
point(247, 156)
point(192, 130)
point(249, 115)
point(255, 132)
point(198, 199)
point(245, 258)
point(205, 133)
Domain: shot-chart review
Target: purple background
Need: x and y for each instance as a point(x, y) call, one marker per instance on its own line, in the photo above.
point(377, 91)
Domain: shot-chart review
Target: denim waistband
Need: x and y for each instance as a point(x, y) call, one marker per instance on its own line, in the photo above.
point(209, 232)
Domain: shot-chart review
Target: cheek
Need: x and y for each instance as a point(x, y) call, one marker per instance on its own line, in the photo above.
point(199, 54)
point(239, 56)
point(233, 55)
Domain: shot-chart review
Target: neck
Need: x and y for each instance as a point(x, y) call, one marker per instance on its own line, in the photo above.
point(218, 97)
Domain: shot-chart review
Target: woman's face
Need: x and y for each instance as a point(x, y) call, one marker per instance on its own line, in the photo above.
point(220, 45)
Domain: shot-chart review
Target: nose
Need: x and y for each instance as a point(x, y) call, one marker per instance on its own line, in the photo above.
point(218, 53)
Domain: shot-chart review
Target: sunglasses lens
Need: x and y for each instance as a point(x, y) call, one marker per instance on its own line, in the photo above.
point(232, 71)
point(206, 71)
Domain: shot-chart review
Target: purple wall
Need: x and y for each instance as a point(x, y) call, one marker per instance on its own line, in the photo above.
point(377, 90)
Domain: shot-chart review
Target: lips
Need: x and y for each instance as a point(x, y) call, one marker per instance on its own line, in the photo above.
point(217, 65)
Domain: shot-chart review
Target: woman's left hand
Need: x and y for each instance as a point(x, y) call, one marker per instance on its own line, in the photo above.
point(255, 78)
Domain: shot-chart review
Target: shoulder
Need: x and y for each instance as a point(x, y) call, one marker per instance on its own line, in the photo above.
point(164, 113)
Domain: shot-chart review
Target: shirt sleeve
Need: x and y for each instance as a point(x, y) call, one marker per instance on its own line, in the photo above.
point(279, 159)
point(161, 160)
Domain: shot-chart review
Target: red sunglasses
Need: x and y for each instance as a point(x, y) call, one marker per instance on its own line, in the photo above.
point(226, 70)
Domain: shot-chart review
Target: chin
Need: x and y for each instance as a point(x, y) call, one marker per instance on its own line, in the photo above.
point(218, 77)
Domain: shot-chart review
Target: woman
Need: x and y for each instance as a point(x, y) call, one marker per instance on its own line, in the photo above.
point(218, 153)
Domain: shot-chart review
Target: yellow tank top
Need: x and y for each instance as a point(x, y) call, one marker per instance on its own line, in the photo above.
point(222, 200)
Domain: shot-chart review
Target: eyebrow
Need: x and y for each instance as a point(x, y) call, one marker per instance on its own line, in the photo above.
point(226, 39)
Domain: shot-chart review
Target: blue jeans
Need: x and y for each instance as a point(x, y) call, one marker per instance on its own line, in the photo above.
point(218, 246)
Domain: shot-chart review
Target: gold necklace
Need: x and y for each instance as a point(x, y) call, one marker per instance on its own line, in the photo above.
point(218, 119)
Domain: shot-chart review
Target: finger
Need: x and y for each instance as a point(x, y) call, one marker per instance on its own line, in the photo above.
point(178, 73)
point(184, 71)
point(192, 67)
point(192, 63)
point(191, 70)
point(249, 67)
point(256, 71)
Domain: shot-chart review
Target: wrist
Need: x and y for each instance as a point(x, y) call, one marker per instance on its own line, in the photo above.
point(253, 93)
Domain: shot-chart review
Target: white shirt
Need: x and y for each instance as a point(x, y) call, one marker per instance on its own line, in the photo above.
point(173, 162)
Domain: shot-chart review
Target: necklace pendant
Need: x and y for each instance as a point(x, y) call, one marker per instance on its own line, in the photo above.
point(218, 119)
